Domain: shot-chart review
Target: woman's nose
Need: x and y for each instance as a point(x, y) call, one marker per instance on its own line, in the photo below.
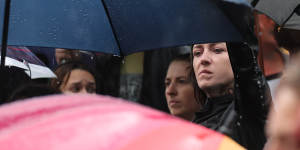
point(83, 91)
point(171, 89)
point(206, 58)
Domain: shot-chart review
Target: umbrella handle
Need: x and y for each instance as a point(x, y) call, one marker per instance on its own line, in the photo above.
point(5, 32)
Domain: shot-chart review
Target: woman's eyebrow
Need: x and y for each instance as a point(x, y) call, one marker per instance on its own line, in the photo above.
point(91, 83)
point(181, 77)
point(76, 83)
point(197, 46)
point(213, 45)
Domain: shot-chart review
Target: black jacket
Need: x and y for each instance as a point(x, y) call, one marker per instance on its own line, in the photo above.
point(241, 116)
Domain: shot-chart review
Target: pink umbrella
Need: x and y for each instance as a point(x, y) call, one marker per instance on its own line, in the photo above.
point(77, 122)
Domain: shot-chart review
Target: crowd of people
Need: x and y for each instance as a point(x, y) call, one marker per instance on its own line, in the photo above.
point(219, 85)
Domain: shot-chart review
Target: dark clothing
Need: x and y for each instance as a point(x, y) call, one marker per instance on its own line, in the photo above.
point(243, 114)
point(248, 132)
point(213, 111)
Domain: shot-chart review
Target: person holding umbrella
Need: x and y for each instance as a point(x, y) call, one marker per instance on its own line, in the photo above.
point(179, 89)
point(235, 89)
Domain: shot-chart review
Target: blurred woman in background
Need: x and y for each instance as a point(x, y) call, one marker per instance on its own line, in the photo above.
point(74, 77)
point(179, 89)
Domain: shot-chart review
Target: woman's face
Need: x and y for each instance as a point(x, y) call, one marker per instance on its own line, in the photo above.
point(283, 127)
point(62, 55)
point(179, 90)
point(212, 65)
point(80, 81)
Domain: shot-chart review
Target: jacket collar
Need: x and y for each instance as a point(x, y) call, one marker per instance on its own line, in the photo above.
point(215, 104)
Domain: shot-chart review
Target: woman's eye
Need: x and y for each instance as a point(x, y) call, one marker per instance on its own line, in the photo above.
point(91, 89)
point(167, 83)
point(75, 89)
point(218, 50)
point(197, 53)
point(182, 81)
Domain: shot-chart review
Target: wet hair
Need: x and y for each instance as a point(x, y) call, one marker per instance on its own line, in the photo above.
point(184, 57)
point(198, 93)
point(10, 79)
point(32, 90)
point(64, 70)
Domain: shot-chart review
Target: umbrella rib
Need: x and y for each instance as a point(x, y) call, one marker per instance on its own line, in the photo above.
point(254, 2)
point(5, 32)
point(112, 27)
point(288, 18)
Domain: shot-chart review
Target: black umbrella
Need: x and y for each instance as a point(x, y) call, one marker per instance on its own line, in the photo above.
point(286, 13)
point(119, 27)
point(151, 24)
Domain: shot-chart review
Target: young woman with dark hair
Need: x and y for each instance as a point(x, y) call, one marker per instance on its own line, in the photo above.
point(74, 77)
point(235, 89)
point(179, 90)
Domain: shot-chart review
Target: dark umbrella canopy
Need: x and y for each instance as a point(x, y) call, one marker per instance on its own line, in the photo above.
point(74, 24)
point(285, 13)
point(131, 25)
point(240, 13)
point(163, 23)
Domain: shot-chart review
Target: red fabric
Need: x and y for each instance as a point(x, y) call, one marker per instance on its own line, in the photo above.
point(269, 57)
point(77, 122)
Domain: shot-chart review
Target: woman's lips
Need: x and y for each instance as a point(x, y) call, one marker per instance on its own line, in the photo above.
point(173, 103)
point(205, 72)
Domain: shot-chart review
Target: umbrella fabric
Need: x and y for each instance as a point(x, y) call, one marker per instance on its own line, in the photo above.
point(281, 11)
point(130, 25)
point(168, 23)
point(23, 58)
point(99, 123)
point(240, 13)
